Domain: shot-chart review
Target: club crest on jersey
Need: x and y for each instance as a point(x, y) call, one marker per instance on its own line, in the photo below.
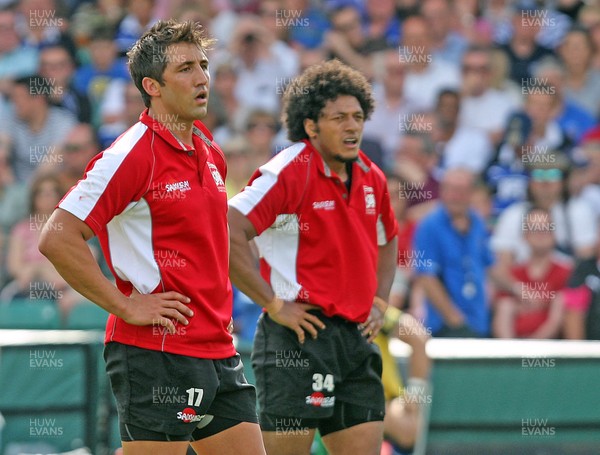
point(369, 200)
point(217, 177)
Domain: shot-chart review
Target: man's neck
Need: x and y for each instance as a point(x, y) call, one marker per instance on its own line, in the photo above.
point(182, 130)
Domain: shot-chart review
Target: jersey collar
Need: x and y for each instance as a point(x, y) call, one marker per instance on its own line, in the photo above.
point(199, 131)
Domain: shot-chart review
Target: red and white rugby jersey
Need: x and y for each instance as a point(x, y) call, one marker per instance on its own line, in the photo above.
point(318, 243)
point(159, 208)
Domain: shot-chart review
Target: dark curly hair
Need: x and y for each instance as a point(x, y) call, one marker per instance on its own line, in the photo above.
point(306, 96)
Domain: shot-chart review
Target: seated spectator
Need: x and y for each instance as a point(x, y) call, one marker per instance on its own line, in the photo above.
point(585, 181)
point(459, 145)
point(90, 16)
point(447, 45)
point(535, 309)
point(139, 18)
point(347, 41)
point(120, 109)
point(58, 67)
point(93, 78)
point(582, 301)
point(582, 82)
point(260, 130)
point(589, 18)
point(426, 75)
point(308, 29)
point(35, 128)
point(34, 276)
point(16, 59)
point(483, 106)
point(399, 294)
point(452, 242)
point(570, 116)
point(78, 148)
point(45, 23)
point(13, 195)
point(392, 107)
point(239, 164)
point(263, 64)
point(416, 163)
point(381, 27)
point(522, 49)
point(575, 222)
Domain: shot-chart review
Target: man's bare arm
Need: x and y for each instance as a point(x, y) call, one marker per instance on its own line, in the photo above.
point(63, 242)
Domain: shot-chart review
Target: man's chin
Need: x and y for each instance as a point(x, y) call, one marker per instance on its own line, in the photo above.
point(345, 159)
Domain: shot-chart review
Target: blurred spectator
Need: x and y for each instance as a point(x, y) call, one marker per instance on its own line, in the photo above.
point(582, 301)
point(452, 243)
point(575, 222)
point(35, 128)
point(13, 194)
point(93, 79)
point(58, 67)
point(582, 82)
point(223, 103)
point(44, 23)
point(245, 316)
point(90, 16)
point(78, 148)
point(13, 205)
point(406, 228)
point(483, 106)
point(500, 77)
point(308, 22)
point(139, 18)
point(259, 133)
point(522, 49)
point(264, 65)
point(16, 59)
point(416, 163)
point(573, 119)
point(310, 57)
point(382, 28)
point(472, 24)
point(34, 276)
point(535, 309)
point(239, 164)
point(459, 146)
point(481, 203)
point(347, 41)
point(120, 109)
point(589, 18)
point(392, 108)
point(585, 180)
point(446, 43)
point(426, 75)
point(542, 105)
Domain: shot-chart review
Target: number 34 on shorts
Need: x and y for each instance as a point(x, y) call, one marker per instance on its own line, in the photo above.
point(320, 383)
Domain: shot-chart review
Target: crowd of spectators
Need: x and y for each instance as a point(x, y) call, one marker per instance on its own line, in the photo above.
point(486, 123)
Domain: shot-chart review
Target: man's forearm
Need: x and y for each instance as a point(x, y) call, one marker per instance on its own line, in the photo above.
point(386, 268)
point(243, 270)
point(71, 256)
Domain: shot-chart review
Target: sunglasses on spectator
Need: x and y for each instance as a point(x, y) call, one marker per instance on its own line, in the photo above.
point(73, 147)
point(546, 175)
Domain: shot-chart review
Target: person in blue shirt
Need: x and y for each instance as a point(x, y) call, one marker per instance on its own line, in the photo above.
point(452, 244)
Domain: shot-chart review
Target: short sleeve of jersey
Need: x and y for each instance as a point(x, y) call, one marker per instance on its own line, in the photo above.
point(113, 179)
point(427, 247)
point(387, 226)
point(274, 189)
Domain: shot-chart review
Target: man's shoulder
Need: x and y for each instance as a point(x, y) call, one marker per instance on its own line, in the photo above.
point(287, 162)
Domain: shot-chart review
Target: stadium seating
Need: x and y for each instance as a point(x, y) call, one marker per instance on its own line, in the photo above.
point(29, 314)
point(87, 316)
